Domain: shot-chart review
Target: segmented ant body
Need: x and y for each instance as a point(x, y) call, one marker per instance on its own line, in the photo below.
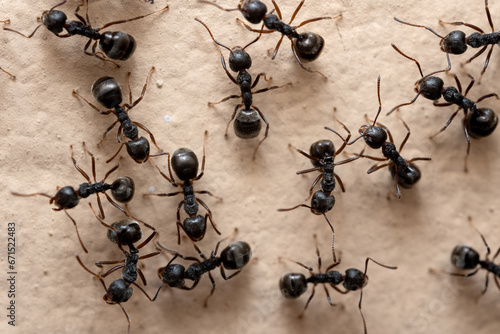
point(122, 190)
point(477, 122)
point(233, 257)
point(293, 285)
point(306, 47)
point(185, 164)
point(466, 258)
point(120, 290)
point(404, 172)
point(456, 42)
point(108, 93)
point(116, 45)
point(247, 120)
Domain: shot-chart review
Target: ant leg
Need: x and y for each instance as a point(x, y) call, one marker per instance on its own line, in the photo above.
point(277, 47)
point(463, 24)
point(145, 242)
point(13, 77)
point(250, 28)
point(206, 192)
point(361, 312)
point(408, 132)
point(17, 32)
point(164, 195)
point(85, 22)
point(76, 166)
point(203, 159)
point(419, 26)
point(218, 6)
point(139, 287)
point(380, 264)
point(271, 88)
point(341, 184)
point(443, 104)
point(223, 273)
point(351, 159)
point(488, 250)
point(487, 96)
point(143, 89)
point(486, 62)
point(205, 304)
point(375, 168)
point(110, 200)
point(486, 282)
point(338, 134)
point(328, 296)
point(224, 99)
point(265, 133)
point(282, 258)
point(307, 302)
point(446, 125)
point(149, 133)
point(169, 179)
point(110, 171)
point(107, 112)
point(30, 195)
point(317, 252)
point(305, 171)
point(406, 56)
point(96, 54)
point(132, 19)
point(178, 222)
point(419, 159)
point(114, 156)
point(403, 104)
point(301, 64)
point(318, 19)
point(256, 81)
point(467, 138)
point(320, 176)
point(177, 254)
point(77, 233)
point(209, 215)
point(232, 118)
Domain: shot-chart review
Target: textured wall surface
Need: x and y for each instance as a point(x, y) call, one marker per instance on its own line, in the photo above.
point(40, 119)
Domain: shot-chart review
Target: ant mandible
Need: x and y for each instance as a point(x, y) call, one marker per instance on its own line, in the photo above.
point(108, 93)
point(465, 257)
point(122, 190)
point(185, 164)
point(456, 42)
point(116, 45)
point(233, 257)
point(477, 122)
point(404, 172)
point(293, 285)
point(247, 121)
point(306, 47)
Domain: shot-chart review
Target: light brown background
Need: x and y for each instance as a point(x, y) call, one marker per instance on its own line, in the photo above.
point(40, 119)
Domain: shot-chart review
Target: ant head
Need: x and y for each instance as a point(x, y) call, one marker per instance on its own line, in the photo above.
point(236, 255)
point(374, 136)
point(122, 189)
point(321, 149)
point(195, 227)
point(464, 257)
point(454, 43)
point(54, 20)
point(107, 92)
point(173, 275)
point(321, 203)
point(138, 149)
point(185, 164)
point(253, 10)
point(117, 45)
point(247, 123)
point(128, 230)
point(292, 285)
point(239, 59)
point(354, 279)
point(66, 198)
point(407, 176)
point(481, 123)
point(430, 87)
point(309, 46)
point(118, 292)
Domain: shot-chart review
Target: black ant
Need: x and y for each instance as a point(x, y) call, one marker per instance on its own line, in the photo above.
point(306, 47)
point(185, 164)
point(120, 290)
point(456, 42)
point(233, 257)
point(116, 45)
point(404, 172)
point(247, 121)
point(293, 285)
point(122, 190)
point(465, 257)
point(108, 93)
point(477, 122)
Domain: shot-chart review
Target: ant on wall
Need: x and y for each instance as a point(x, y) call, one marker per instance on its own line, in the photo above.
point(116, 45)
point(306, 47)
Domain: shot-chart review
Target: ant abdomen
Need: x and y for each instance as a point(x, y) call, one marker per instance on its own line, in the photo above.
point(321, 149)
point(54, 20)
point(138, 149)
point(117, 45)
point(247, 124)
point(128, 229)
point(293, 285)
point(253, 11)
point(309, 46)
point(185, 164)
point(195, 227)
point(481, 123)
point(107, 91)
point(118, 292)
point(66, 198)
point(464, 257)
point(408, 176)
point(236, 255)
point(123, 189)
point(454, 43)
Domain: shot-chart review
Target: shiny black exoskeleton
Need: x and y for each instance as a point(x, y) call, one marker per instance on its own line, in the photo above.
point(247, 120)
point(233, 257)
point(306, 47)
point(116, 45)
point(107, 92)
point(293, 285)
point(185, 164)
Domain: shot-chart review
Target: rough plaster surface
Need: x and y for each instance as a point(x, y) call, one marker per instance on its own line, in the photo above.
point(40, 119)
